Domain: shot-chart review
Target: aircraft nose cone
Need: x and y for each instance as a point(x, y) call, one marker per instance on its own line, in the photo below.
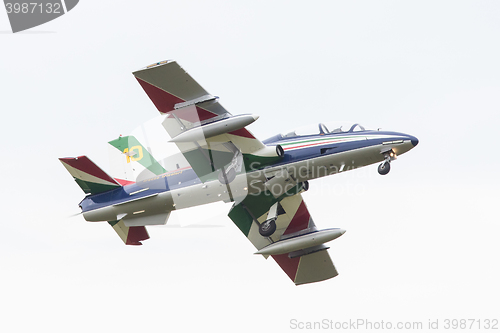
point(414, 141)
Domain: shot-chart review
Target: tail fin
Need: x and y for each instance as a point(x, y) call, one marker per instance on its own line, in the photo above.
point(93, 180)
point(88, 175)
point(135, 152)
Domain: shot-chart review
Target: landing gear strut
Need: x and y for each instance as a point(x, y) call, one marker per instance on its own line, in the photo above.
point(268, 227)
point(385, 167)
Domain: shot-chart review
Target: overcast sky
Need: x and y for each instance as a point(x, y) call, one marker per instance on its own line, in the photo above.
point(421, 243)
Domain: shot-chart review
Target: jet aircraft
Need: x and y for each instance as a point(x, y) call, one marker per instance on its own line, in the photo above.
point(219, 159)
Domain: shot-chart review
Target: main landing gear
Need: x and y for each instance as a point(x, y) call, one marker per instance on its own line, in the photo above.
point(267, 228)
point(385, 166)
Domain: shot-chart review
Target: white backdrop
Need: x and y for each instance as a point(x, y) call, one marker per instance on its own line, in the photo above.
point(421, 243)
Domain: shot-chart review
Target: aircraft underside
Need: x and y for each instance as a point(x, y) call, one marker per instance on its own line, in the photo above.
point(217, 159)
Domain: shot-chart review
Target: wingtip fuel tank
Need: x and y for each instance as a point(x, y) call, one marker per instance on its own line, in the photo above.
point(216, 128)
point(301, 242)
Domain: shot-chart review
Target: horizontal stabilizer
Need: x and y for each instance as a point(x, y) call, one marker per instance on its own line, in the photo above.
point(88, 175)
point(130, 235)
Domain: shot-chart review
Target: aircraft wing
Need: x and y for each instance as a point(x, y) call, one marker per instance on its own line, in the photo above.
point(293, 219)
point(170, 87)
point(187, 108)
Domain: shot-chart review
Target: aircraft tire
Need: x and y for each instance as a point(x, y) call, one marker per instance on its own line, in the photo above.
point(384, 168)
point(267, 228)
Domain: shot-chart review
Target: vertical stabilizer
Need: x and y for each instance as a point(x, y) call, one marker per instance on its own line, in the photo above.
point(133, 151)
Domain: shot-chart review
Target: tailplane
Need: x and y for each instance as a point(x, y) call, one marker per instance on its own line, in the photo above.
point(130, 235)
point(88, 175)
point(94, 180)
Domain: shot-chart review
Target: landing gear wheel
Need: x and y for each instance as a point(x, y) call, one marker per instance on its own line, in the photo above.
point(230, 175)
point(384, 168)
point(267, 228)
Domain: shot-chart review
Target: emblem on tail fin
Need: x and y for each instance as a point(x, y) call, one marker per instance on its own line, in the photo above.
point(135, 152)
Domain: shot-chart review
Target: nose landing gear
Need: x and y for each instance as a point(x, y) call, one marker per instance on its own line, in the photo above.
point(385, 166)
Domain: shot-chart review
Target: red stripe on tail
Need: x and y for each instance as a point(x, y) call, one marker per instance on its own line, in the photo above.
point(124, 182)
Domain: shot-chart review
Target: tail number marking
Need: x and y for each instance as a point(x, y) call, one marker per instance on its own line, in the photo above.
point(135, 153)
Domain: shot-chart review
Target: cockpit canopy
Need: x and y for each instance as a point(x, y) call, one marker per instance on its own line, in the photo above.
point(319, 129)
point(324, 128)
